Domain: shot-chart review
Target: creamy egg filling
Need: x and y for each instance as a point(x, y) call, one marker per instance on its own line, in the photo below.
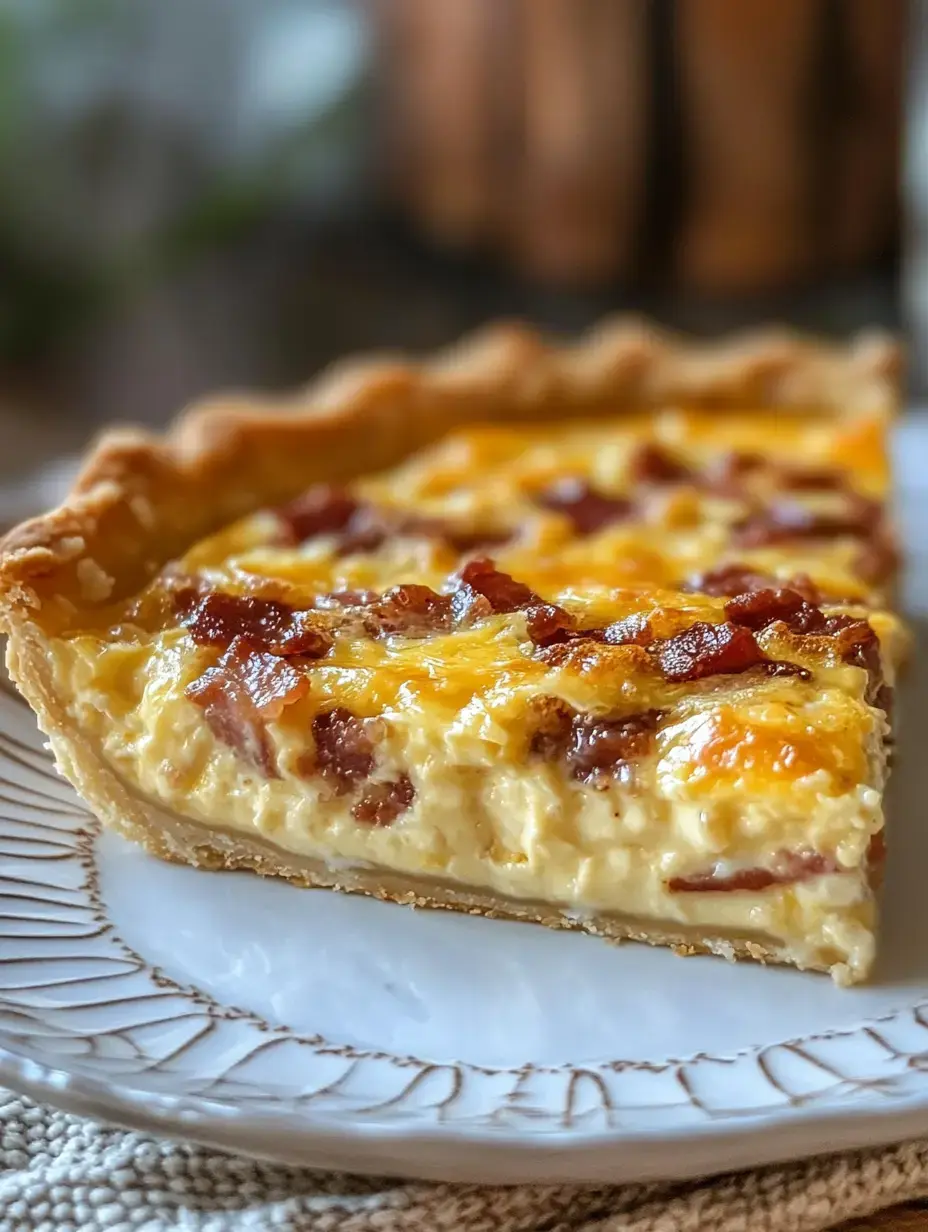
point(742, 771)
point(736, 777)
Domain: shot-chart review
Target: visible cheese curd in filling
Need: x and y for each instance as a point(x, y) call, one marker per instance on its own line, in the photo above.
point(637, 668)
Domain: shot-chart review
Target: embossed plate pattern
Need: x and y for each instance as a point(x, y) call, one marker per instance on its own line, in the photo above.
point(310, 1027)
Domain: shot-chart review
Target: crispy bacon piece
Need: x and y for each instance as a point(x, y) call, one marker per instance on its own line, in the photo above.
point(414, 611)
point(605, 749)
point(699, 651)
point(409, 609)
point(707, 650)
point(381, 803)
point(652, 464)
point(463, 540)
point(787, 520)
point(363, 527)
point(810, 478)
point(790, 868)
point(803, 585)
point(366, 530)
point(876, 850)
point(344, 748)
point(595, 750)
point(321, 510)
point(858, 644)
point(736, 579)
point(245, 689)
point(548, 624)
point(481, 589)
point(345, 757)
point(588, 509)
point(633, 630)
point(369, 528)
point(216, 619)
point(757, 609)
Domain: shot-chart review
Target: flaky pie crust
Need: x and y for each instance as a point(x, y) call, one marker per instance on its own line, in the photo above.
point(142, 499)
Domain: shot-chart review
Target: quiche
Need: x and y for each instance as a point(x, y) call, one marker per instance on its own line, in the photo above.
point(593, 635)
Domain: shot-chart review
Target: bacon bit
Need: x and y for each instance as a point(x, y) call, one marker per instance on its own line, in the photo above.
point(707, 650)
point(588, 509)
point(876, 850)
point(652, 464)
point(369, 528)
point(595, 750)
point(787, 520)
point(696, 652)
point(322, 510)
point(381, 803)
point(736, 579)
point(604, 749)
point(633, 630)
point(783, 667)
point(791, 867)
point(363, 527)
point(344, 749)
point(186, 598)
point(548, 624)
point(875, 860)
point(414, 611)
point(481, 589)
point(728, 580)
point(411, 610)
point(462, 540)
point(803, 585)
point(759, 608)
point(857, 643)
point(216, 619)
point(810, 479)
point(240, 693)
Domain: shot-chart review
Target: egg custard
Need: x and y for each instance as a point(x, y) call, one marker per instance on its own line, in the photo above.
point(593, 636)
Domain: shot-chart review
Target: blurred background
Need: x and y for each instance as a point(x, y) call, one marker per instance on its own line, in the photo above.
point(210, 193)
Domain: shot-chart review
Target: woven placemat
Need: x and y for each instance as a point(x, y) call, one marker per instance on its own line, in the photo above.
point(60, 1173)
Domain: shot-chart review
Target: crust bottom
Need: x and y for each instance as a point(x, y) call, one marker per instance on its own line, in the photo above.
point(183, 841)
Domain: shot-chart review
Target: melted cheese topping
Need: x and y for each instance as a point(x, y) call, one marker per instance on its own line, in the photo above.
point(742, 768)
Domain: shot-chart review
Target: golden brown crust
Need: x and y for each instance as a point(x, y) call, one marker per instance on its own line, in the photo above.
point(142, 499)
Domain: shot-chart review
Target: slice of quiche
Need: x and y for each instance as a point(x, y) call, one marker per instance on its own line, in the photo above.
point(592, 636)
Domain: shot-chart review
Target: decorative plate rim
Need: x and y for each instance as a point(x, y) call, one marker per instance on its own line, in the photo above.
point(581, 1138)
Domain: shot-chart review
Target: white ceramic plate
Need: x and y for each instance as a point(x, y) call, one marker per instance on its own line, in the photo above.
point(310, 1027)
